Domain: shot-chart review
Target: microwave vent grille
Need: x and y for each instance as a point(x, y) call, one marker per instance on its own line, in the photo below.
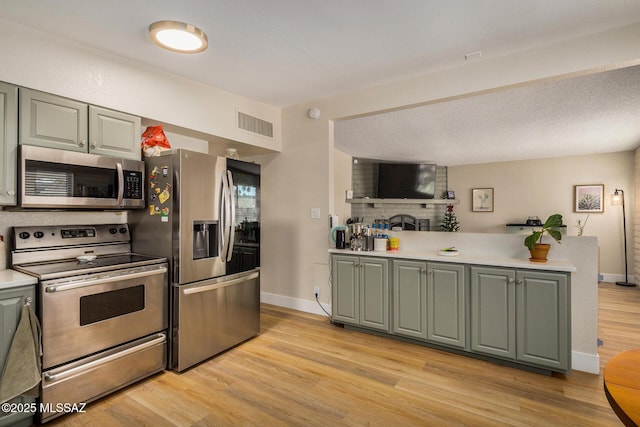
point(255, 125)
point(48, 183)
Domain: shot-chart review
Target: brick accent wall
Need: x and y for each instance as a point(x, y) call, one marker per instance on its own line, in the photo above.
point(364, 183)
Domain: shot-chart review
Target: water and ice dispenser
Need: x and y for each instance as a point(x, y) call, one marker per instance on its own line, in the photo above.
point(205, 239)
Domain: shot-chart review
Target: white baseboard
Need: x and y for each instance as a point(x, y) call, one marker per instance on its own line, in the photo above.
point(613, 278)
point(294, 303)
point(589, 363)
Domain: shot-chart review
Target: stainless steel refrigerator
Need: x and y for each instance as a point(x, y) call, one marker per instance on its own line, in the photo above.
point(197, 217)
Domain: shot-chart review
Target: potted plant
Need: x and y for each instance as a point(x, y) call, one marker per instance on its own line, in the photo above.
point(538, 249)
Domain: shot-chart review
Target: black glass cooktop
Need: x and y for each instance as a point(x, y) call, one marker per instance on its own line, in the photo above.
point(72, 267)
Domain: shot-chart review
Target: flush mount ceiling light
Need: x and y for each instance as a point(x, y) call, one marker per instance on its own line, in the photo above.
point(178, 36)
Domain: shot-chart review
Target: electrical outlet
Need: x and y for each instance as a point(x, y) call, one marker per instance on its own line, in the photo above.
point(316, 291)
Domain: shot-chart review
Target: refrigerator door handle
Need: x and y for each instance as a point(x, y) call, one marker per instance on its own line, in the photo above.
point(224, 216)
point(232, 219)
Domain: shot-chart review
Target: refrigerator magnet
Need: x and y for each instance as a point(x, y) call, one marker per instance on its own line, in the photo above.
point(164, 196)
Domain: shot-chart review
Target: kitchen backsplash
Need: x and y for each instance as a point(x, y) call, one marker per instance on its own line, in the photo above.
point(364, 181)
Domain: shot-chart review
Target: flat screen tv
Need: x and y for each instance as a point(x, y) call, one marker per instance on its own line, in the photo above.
point(406, 181)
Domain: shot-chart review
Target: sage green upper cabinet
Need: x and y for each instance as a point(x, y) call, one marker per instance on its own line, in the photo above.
point(52, 121)
point(446, 304)
point(113, 133)
point(361, 291)
point(8, 143)
point(543, 318)
point(410, 298)
point(493, 311)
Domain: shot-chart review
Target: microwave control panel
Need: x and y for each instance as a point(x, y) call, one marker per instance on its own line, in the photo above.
point(133, 185)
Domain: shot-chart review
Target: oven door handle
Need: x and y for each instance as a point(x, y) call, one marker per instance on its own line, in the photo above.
point(156, 339)
point(206, 288)
point(93, 282)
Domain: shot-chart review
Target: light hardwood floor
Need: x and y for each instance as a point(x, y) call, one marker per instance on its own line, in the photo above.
point(303, 371)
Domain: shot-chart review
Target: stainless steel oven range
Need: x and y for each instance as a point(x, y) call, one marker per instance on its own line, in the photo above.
point(103, 309)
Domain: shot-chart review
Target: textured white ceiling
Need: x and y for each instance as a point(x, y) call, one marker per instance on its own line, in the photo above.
point(598, 113)
point(285, 52)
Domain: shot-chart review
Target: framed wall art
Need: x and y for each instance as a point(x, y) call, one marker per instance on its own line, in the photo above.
point(482, 200)
point(588, 198)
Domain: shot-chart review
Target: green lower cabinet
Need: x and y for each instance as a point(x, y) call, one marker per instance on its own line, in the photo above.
point(521, 315)
point(361, 291)
point(344, 271)
point(543, 318)
point(517, 315)
point(493, 311)
point(446, 304)
point(374, 293)
point(410, 299)
point(11, 302)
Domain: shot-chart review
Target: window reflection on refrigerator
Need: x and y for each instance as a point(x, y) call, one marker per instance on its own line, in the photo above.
point(247, 225)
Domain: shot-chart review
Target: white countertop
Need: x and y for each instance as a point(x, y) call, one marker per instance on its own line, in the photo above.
point(462, 258)
point(12, 279)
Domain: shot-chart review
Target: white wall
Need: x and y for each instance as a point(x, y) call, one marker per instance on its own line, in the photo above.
point(545, 186)
point(294, 258)
point(633, 217)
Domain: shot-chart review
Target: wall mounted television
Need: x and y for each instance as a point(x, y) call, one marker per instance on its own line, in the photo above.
point(406, 181)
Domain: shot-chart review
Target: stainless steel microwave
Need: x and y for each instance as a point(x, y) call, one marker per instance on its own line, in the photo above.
point(51, 178)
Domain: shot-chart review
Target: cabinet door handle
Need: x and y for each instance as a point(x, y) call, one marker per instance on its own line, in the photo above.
point(94, 144)
point(511, 280)
point(82, 142)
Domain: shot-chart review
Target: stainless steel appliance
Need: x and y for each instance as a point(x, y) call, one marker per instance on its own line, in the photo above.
point(103, 309)
point(191, 220)
point(50, 178)
point(245, 252)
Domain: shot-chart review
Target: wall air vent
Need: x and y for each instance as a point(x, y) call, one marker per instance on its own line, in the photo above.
point(255, 125)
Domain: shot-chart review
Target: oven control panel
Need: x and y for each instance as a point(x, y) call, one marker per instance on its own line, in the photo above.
point(69, 235)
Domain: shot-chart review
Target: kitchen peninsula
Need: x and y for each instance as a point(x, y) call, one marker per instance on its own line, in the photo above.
point(489, 301)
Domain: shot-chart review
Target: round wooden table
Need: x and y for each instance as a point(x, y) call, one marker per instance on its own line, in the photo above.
point(622, 385)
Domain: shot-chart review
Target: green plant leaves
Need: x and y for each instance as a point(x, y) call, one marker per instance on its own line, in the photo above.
point(532, 239)
point(554, 220)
